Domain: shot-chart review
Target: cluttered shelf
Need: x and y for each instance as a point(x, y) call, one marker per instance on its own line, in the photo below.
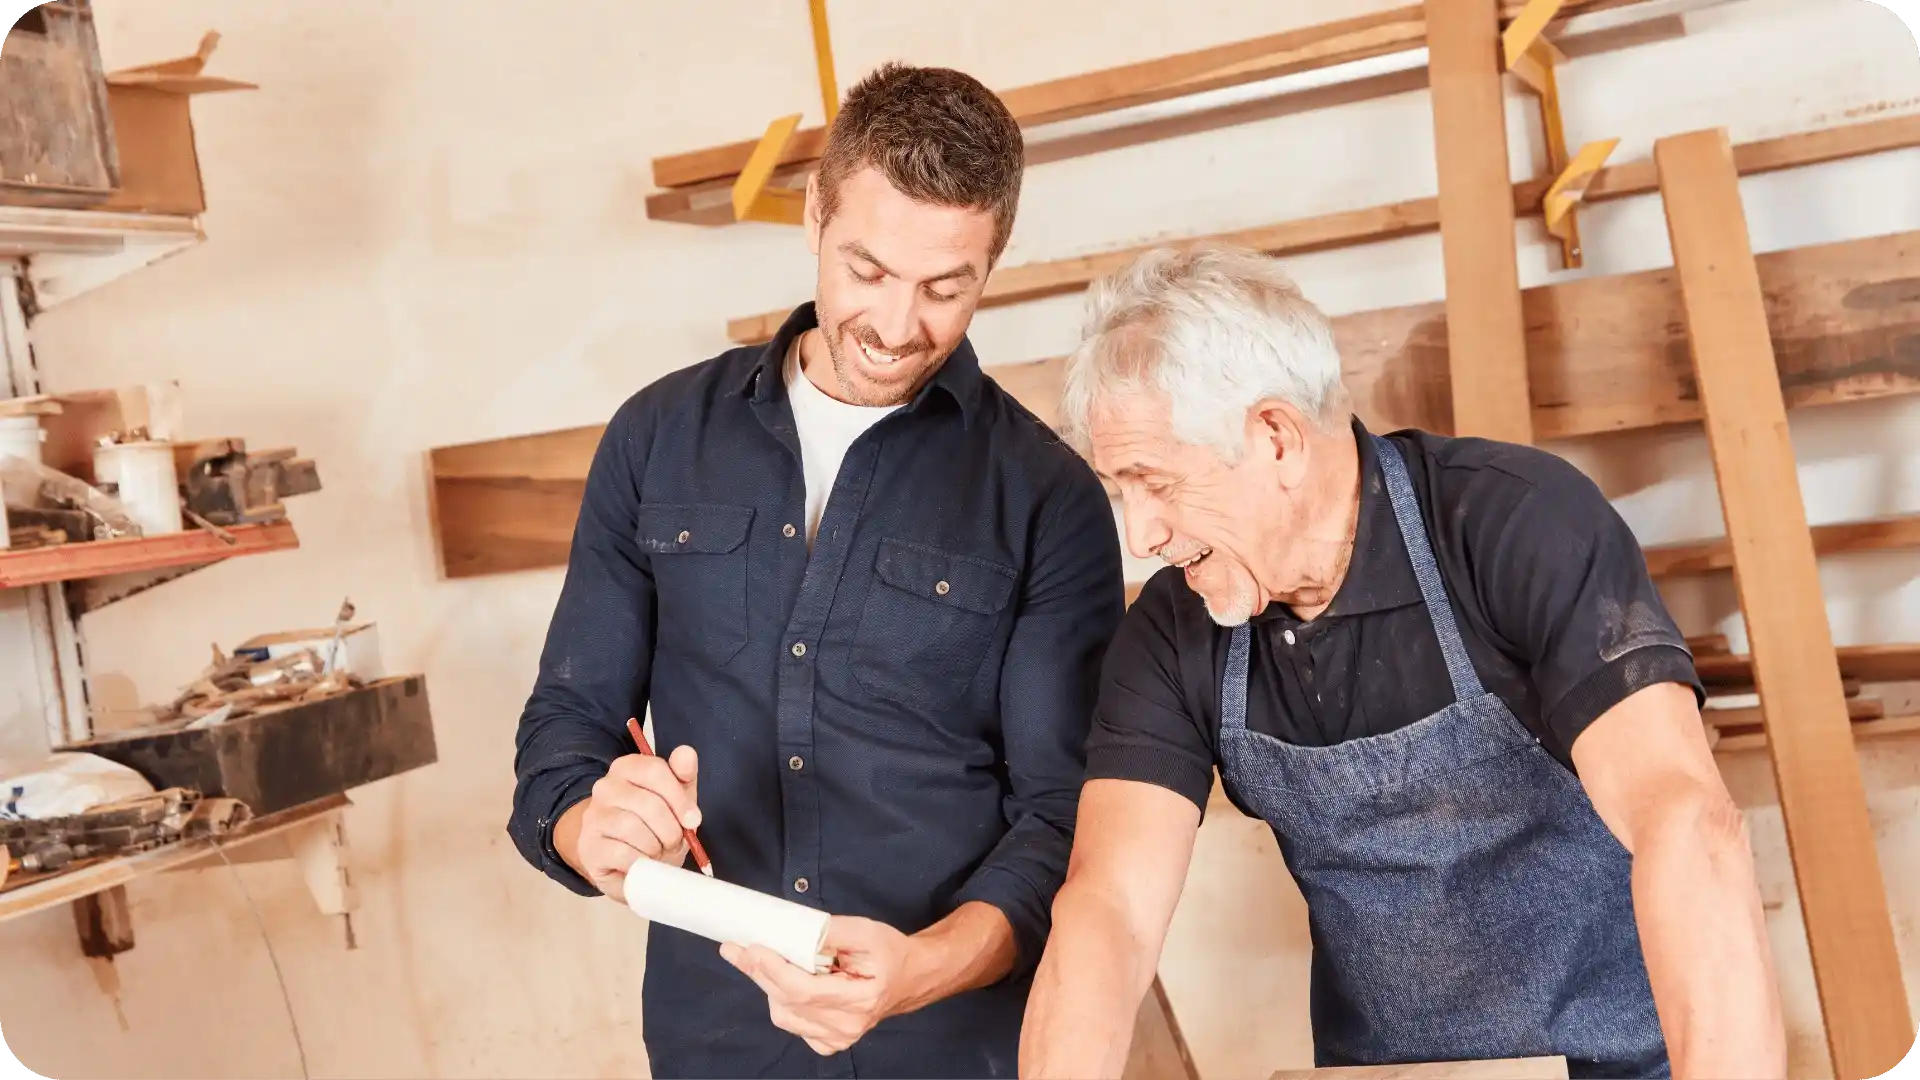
point(23, 892)
point(135, 554)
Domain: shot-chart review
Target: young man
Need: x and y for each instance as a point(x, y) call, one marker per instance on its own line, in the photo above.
point(866, 596)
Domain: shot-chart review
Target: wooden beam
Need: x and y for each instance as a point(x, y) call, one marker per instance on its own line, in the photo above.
point(1858, 709)
point(1863, 999)
point(1867, 663)
point(1604, 354)
point(1864, 731)
point(706, 203)
point(1236, 63)
point(1034, 281)
point(1708, 556)
point(1485, 334)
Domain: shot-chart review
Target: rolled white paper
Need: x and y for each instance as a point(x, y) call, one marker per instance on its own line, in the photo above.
point(722, 911)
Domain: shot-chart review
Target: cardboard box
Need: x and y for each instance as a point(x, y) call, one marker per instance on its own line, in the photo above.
point(153, 132)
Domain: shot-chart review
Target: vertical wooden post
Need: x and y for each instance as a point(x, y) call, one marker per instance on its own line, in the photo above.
point(1486, 333)
point(1803, 707)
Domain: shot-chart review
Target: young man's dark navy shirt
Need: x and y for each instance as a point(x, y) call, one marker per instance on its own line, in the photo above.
point(888, 728)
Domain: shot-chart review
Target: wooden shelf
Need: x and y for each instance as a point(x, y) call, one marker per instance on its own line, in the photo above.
point(1863, 731)
point(104, 558)
point(28, 893)
point(69, 252)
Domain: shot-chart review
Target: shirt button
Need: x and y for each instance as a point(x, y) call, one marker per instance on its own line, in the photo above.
point(799, 884)
point(941, 587)
point(685, 536)
point(795, 763)
point(787, 531)
point(799, 648)
point(1288, 634)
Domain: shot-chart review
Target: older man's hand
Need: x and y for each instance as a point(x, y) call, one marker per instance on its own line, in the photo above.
point(833, 1011)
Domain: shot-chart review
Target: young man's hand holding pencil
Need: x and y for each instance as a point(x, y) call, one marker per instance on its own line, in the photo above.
point(645, 807)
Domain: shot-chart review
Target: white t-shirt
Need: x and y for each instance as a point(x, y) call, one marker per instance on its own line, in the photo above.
point(827, 427)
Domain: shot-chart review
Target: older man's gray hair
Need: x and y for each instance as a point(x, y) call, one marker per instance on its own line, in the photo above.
point(1216, 329)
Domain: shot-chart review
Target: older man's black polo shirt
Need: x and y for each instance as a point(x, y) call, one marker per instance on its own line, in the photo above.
point(889, 726)
point(1548, 586)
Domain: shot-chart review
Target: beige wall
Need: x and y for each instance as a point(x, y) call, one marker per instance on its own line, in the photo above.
point(427, 229)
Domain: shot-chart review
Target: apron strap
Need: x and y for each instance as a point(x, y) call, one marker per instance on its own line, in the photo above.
point(1413, 533)
point(1233, 686)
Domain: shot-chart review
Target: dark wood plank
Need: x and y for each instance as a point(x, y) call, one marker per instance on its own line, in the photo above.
point(1843, 897)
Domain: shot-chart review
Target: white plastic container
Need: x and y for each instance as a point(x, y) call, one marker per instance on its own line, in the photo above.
point(149, 487)
point(21, 436)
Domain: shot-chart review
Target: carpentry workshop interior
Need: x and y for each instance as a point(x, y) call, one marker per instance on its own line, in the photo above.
point(314, 316)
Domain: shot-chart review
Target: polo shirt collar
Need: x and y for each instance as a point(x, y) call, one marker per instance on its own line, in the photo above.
point(959, 377)
point(1380, 573)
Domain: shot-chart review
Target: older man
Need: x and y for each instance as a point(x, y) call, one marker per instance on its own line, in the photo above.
point(1438, 669)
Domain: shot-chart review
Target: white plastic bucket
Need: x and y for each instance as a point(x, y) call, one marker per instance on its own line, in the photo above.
point(149, 488)
point(21, 436)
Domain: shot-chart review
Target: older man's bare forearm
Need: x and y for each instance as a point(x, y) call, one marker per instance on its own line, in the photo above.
point(1705, 938)
point(1079, 1021)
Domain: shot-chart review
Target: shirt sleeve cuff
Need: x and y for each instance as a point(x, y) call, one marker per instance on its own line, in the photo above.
point(1148, 765)
point(1624, 676)
point(1028, 912)
point(568, 791)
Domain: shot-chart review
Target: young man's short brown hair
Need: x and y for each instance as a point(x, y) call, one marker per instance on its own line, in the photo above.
point(936, 134)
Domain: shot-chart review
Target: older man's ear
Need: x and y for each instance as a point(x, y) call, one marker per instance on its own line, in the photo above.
point(1279, 432)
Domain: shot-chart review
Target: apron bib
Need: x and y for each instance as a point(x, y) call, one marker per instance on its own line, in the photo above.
point(1464, 899)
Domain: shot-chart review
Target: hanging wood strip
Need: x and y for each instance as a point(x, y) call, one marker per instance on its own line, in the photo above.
point(1863, 999)
point(1708, 556)
point(1604, 354)
point(1035, 281)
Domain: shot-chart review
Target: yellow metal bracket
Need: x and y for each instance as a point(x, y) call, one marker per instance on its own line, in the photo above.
point(1532, 59)
point(753, 198)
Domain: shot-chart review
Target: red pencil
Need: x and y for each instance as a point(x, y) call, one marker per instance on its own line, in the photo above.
point(693, 840)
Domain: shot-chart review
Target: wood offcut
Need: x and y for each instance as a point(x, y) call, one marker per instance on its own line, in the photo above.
point(1863, 999)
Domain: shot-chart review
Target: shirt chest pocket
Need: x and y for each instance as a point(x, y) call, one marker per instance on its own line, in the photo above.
point(699, 557)
point(929, 619)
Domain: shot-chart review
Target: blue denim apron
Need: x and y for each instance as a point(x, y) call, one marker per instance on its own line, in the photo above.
point(1464, 899)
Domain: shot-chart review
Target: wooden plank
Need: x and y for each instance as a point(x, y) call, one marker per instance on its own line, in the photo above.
point(1533, 1068)
point(1858, 709)
point(98, 558)
point(1863, 999)
point(104, 922)
point(1486, 336)
point(706, 203)
point(1865, 731)
point(509, 504)
point(1604, 354)
point(1034, 281)
point(1236, 63)
point(1158, 1051)
point(1707, 556)
point(1867, 663)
